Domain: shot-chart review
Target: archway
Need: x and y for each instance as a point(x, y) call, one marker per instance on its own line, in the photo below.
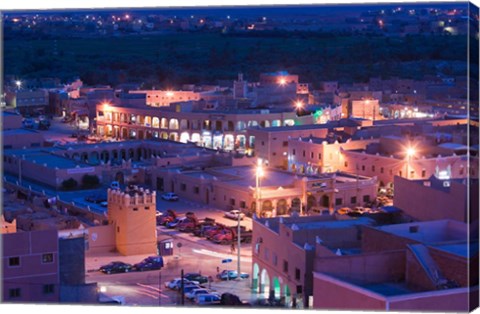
point(276, 289)
point(282, 207)
point(184, 137)
point(131, 154)
point(120, 177)
point(267, 208)
point(156, 122)
point(124, 133)
point(264, 283)
point(296, 203)
point(94, 159)
point(173, 125)
point(311, 202)
point(325, 201)
point(173, 136)
point(255, 275)
point(288, 296)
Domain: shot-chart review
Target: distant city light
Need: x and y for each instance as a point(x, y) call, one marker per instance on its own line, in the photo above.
point(127, 16)
point(169, 94)
point(282, 81)
point(228, 16)
point(18, 83)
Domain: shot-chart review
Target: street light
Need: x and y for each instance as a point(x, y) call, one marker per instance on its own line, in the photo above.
point(410, 154)
point(258, 174)
point(282, 81)
point(18, 83)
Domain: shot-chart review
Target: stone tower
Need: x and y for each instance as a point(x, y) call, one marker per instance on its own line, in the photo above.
point(132, 213)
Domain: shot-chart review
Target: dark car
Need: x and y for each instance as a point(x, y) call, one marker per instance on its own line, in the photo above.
point(116, 267)
point(196, 277)
point(96, 198)
point(149, 263)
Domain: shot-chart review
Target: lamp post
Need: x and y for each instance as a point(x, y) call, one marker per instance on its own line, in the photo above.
point(258, 175)
point(410, 154)
point(238, 245)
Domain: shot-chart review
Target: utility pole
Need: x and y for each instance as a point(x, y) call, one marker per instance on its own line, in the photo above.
point(238, 244)
point(182, 288)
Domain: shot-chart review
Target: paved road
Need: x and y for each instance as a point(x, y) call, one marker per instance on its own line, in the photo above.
point(195, 255)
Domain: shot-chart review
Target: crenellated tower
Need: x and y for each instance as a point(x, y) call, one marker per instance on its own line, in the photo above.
point(132, 213)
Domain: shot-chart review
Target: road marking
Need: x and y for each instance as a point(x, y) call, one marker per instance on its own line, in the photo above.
point(156, 289)
point(211, 253)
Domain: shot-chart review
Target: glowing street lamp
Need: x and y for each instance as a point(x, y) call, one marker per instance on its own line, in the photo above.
point(258, 174)
point(18, 83)
point(410, 154)
point(282, 81)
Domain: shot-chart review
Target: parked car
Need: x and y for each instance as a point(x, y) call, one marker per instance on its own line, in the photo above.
point(149, 263)
point(175, 222)
point(207, 299)
point(116, 267)
point(104, 204)
point(170, 196)
point(28, 123)
point(191, 295)
point(231, 274)
point(196, 277)
point(176, 283)
point(188, 287)
point(96, 198)
point(44, 124)
point(234, 214)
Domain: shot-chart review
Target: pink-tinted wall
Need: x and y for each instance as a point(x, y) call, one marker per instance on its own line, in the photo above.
point(32, 274)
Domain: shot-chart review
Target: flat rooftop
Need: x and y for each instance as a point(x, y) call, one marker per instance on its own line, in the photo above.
point(431, 232)
point(332, 224)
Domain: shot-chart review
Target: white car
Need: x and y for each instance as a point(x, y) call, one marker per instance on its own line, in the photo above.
point(170, 196)
point(234, 214)
point(177, 282)
point(192, 294)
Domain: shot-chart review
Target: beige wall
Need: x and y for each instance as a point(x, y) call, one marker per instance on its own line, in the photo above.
point(134, 221)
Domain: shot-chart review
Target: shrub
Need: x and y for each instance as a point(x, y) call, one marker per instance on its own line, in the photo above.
point(69, 184)
point(90, 181)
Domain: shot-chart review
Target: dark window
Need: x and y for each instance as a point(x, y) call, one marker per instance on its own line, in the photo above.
point(263, 143)
point(366, 198)
point(147, 207)
point(353, 200)
point(14, 293)
point(303, 153)
point(311, 155)
point(293, 152)
point(297, 274)
point(285, 266)
point(285, 144)
point(243, 204)
point(319, 156)
point(232, 201)
point(373, 168)
point(424, 173)
point(338, 201)
point(381, 170)
point(363, 167)
point(183, 187)
point(47, 258)
point(135, 209)
point(346, 164)
point(48, 289)
point(14, 261)
point(196, 190)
